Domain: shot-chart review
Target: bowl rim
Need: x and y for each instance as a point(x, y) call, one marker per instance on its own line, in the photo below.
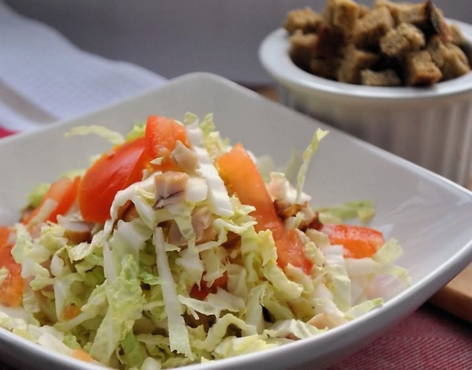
point(405, 302)
point(273, 55)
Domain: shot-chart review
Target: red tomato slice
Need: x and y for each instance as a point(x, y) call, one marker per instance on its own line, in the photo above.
point(241, 176)
point(64, 193)
point(113, 172)
point(162, 135)
point(11, 289)
point(358, 241)
point(202, 292)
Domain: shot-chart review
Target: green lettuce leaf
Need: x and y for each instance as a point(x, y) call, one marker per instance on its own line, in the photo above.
point(134, 352)
point(307, 155)
point(37, 194)
point(363, 210)
point(178, 333)
point(125, 304)
point(113, 137)
point(136, 132)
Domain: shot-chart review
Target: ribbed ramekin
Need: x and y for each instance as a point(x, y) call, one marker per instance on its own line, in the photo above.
point(429, 126)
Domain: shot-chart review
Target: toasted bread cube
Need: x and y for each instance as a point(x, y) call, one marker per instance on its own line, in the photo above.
point(417, 14)
point(372, 27)
point(401, 40)
point(342, 14)
point(302, 47)
point(324, 67)
point(383, 78)
point(438, 22)
point(456, 36)
point(363, 10)
point(353, 63)
point(450, 58)
point(421, 69)
point(330, 42)
point(305, 20)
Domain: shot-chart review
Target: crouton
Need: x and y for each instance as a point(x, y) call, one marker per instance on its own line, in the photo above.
point(450, 59)
point(330, 42)
point(302, 47)
point(305, 20)
point(324, 67)
point(417, 14)
point(401, 40)
point(372, 27)
point(421, 70)
point(382, 78)
point(342, 14)
point(390, 44)
point(363, 10)
point(456, 36)
point(353, 63)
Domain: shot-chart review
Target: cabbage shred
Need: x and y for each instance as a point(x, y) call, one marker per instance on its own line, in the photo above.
point(131, 284)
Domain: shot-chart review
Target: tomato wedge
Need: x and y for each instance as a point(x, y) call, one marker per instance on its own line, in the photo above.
point(202, 291)
point(11, 289)
point(64, 193)
point(113, 172)
point(358, 241)
point(162, 135)
point(241, 176)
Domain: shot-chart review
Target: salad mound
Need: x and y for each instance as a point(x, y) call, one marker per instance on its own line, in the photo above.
point(175, 247)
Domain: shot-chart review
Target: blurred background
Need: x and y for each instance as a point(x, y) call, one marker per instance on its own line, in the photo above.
point(173, 37)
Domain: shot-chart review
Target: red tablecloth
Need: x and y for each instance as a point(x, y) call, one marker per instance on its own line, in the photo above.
point(5, 132)
point(428, 339)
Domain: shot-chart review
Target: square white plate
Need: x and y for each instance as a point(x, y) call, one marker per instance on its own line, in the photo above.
point(429, 215)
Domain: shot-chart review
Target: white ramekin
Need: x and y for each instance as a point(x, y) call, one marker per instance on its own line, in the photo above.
point(429, 126)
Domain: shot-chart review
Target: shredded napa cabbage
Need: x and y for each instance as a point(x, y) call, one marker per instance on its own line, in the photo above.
point(112, 136)
point(194, 279)
point(307, 156)
point(37, 194)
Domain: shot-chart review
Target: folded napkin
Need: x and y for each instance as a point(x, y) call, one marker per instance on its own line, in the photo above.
point(44, 77)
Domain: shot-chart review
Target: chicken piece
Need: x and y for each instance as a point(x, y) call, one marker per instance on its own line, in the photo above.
point(421, 70)
point(354, 62)
point(201, 319)
point(401, 40)
point(170, 188)
point(127, 212)
point(382, 78)
point(76, 231)
point(185, 158)
point(342, 14)
point(285, 210)
point(202, 222)
point(372, 27)
point(304, 20)
point(324, 320)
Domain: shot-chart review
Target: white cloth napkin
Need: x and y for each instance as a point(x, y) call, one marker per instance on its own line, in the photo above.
point(44, 77)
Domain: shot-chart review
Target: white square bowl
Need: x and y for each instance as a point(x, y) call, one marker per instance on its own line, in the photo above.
point(428, 214)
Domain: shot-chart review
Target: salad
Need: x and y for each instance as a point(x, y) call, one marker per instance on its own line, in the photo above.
point(175, 247)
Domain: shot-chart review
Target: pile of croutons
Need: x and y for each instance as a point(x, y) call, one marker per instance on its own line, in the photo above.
point(390, 44)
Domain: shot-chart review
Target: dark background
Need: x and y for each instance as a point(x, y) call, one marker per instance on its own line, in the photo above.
point(173, 37)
